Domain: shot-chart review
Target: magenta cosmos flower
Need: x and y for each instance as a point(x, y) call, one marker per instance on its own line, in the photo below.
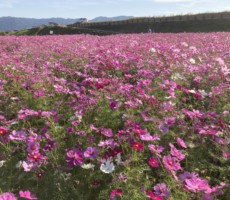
point(138, 146)
point(3, 130)
point(153, 196)
point(171, 163)
point(153, 162)
point(27, 195)
point(74, 158)
point(91, 152)
point(114, 193)
point(7, 196)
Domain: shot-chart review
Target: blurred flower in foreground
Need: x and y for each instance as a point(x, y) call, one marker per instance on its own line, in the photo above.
point(7, 196)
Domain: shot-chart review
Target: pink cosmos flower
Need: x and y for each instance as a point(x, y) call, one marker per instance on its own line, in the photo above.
point(107, 132)
point(171, 163)
point(17, 135)
point(196, 184)
point(181, 142)
point(176, 153)
point(156, 149)
point(27, 166)
point(7, 196)
point(27, 195)
point(161, 189)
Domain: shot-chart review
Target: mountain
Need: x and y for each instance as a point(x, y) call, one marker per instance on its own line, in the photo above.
point(15, 23)
point(117, 18)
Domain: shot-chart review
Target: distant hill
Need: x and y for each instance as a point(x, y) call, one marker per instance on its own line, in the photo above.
point(103, 19)
point(15, 23)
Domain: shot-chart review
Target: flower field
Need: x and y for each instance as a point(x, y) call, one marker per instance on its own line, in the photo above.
point(139, 116)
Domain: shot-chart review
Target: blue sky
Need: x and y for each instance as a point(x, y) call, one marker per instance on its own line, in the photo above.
point(109, 8)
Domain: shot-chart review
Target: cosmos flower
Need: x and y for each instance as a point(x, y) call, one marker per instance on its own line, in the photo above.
point(171, 163)
point(161, 190)
point(107, 132)
point(153, 162)
point(17, 135)
point(3, 130)
point(2, 163)
point(107, 167)
point(181, 142)
point(91, 152)
point(50, 145)
point(137, 145)
point(196, 184)
point(176, 153)
point(114, 193)
point(74, 158)
point(27, 166)
point(7, 196)
point(153, 196)
point(27, 195)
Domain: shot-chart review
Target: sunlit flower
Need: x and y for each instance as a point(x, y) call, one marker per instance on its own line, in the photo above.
point(87, 166)
point(107, 167)
point(27, 166)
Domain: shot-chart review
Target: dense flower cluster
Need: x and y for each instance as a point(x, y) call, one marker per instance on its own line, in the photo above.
point(124, 116)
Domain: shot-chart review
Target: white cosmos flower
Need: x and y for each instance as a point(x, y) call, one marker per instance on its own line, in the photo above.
point(118, 159)
point(19, 164)
point(192, 60)
point(203, 93)
point(107, 167)
point(2, 163)
point(152, 50)
point(87, 166)
point(192, 91)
